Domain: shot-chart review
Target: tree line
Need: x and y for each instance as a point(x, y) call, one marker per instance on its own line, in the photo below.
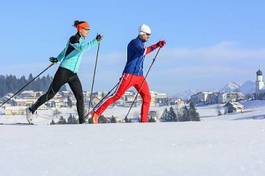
point(10, 83)
point(181, 114)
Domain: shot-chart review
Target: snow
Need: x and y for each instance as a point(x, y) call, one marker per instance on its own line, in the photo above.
point(190, 149)
point(46, 116)
point(2, 111)
point(252, 110)
point(226, 145)
point(254, 104)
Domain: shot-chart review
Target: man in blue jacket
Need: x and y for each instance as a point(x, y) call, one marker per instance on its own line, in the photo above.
point(133, 74)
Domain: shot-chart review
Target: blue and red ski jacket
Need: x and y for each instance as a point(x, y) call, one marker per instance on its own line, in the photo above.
point(135, 57)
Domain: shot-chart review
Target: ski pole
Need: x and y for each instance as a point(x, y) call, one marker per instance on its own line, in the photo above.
point(135, 98)
point(93, 80)
point(102, 99)
point(105, 96)
point(27, 84)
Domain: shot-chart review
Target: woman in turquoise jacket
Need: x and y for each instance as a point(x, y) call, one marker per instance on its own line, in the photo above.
point(70, 59)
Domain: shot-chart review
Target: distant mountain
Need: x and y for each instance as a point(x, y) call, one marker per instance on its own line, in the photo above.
point(186, 94)
point(248, 87)
point(231, 87)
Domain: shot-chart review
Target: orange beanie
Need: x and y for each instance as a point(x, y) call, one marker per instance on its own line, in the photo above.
point(83, 25)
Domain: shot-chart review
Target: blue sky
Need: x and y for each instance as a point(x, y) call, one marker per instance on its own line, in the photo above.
point(209, 43)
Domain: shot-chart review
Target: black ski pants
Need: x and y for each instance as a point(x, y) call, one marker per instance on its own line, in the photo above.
point(63, 76)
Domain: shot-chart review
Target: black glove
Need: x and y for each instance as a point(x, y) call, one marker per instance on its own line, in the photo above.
point(99, 37)
point(53, 60)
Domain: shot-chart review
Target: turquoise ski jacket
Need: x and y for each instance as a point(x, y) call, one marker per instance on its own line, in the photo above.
point(71, 55)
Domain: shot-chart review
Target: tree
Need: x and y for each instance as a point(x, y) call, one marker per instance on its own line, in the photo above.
point(172, 114)
point(185, 114)
point(61, 120)
point(52, 122)
point(164, 116)
point(152, 119)
point(10, 83)
point(102, 119)
point(113, 119)
point(193, 114)
point(72, 120)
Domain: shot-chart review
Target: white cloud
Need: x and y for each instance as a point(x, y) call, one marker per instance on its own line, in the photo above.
point(224, 50)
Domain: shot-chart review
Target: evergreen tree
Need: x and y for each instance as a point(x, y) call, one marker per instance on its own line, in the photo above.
point(172, 114)
point(113, 119)
point(152, 119)
point(52, 122)
point(185, 114)
point(194, 115)
point(72, 120)
point(164, 116)
point(61, 120)
point(10, 84)
point(102, 119)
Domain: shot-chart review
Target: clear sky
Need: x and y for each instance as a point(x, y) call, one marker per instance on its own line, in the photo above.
point(209, 43)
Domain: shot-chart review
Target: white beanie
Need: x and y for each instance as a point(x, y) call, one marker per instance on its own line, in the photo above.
point(144, 29)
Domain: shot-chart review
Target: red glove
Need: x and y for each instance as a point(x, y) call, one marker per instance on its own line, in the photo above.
point(161, 43)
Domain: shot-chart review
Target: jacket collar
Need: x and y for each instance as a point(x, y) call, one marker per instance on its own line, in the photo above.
point(138, 37)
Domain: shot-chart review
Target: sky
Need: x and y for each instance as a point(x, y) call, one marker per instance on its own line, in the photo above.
point(209, 43)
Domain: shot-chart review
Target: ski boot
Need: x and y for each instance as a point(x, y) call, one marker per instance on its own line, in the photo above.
point(29, 116)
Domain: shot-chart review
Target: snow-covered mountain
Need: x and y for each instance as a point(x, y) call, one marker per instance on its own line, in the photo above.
point(186, 94)
point(248, 87)
point(231, 87)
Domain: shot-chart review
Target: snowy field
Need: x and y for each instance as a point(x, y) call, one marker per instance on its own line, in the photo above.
point(252, 110)
point(46, 116)
point(223, 148)
point(230, 145)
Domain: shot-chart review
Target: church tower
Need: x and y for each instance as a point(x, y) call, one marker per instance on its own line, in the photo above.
point(259, 82)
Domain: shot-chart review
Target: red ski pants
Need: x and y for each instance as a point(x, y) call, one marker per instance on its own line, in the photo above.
point(129, 80)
